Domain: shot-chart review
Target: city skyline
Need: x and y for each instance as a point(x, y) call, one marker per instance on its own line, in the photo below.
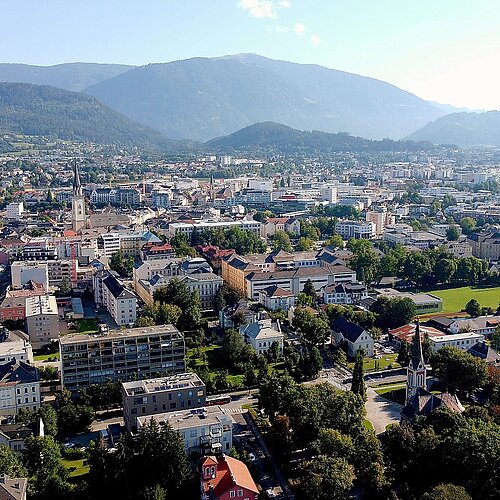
point(438, 51)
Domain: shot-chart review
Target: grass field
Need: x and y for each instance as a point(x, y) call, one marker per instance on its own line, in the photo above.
point(87, 325)
point(75, 467)
point(372, 364)
point(46, 357)
point(395, 394)
point(454, 299)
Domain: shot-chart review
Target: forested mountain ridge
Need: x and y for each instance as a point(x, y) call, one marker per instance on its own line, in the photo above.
point(48, 111)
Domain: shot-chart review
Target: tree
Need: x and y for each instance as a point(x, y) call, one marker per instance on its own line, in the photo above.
point(468, 224)
point(305, 244)
point(144, 321)
point(358, 381)
point(49, 418)
point(447, 492)
point(459, 370)
point(181, 245)
point(335, 241)
point(121, 263)
point(325, 478)
point(333, 443)
point(445, 269)
point(310, 290)
point(473, 308)
point(395, 312)
point(10, 463)
point(281, 241)
point(72, 417)
point(495, 338)
point(154, 493)
point(452, 233)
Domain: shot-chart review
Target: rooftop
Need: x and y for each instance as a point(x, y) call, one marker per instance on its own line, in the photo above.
point(180, 381)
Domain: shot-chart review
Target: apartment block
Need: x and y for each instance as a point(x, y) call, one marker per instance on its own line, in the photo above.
point(355, 229)
point(42, 319)
point(124, 355)
point(161, 395)
point(19, 387)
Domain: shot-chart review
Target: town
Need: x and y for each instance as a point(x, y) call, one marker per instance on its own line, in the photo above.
point(228, 326)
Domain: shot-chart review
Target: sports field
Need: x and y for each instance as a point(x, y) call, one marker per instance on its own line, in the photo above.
point(454, 299)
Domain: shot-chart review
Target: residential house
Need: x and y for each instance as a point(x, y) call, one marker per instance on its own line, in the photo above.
point(13, 488)
point(19, 387)
point(261, 335)
point(276, 298)
point(42, 319)
point(355, 336)
point(344, 293)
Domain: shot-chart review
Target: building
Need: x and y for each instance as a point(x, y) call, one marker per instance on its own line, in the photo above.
point(483, 351)
point(24, 272)
point(123, 355)
point(355, 336)
point(406, 333)
point(416, 373)
point(203, 430)
point(155, 251)
point(261, 335)
point(463, 341)
point(14, 435)
point(161, 395)
point(15, 345)
point(344, 293)
point(483, 325)
point(486, 244)
point(13, 488)
point(355, 229)
point(276, 298)
point(223, 477)
point(42, 319)
point(78, 217)
point(14, 210)
point(19, 387)
point(187, 228)
point(380, 218)
point(424, 302)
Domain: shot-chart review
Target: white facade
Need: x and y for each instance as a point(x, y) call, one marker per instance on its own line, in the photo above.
point(261, 335)
point(42, 319)
point(463, 341)
point(18, 350)
point(24, 271)
point(14, 210)
point(355, 229)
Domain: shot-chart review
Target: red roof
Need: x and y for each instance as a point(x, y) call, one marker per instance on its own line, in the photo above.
point(230, 473)
point(69, 232)
point(406, 333)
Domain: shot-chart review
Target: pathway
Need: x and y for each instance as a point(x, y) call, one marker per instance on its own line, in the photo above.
point(380, 411)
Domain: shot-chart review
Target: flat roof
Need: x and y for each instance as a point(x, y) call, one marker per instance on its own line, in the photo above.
point(155, 385)
point(188, 419)
point(76, 338)
point(457, 336)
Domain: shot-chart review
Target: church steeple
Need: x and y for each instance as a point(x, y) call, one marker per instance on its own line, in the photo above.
point(416, 373)
point(77, 183)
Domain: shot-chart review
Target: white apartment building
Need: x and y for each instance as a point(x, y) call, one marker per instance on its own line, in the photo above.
point(19, 388)
point(463, 341)
point(380, 218)
point(24, 271)
point(42, 319)
point(120, 302)
point(15, 347)
point(355, 229)
point(14, 210)
point(186, 228)
point(204, 430)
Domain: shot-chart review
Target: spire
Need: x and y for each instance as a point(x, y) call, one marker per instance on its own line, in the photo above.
point(417, 355)
point(77, 184)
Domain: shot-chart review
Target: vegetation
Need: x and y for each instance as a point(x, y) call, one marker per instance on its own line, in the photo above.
point(121, 263)
point(455, 299)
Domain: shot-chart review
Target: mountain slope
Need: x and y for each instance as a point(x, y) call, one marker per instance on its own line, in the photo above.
point(272, 137)
point(70, 76)
point(462, 129)
point(204, 98)
point(42, 110)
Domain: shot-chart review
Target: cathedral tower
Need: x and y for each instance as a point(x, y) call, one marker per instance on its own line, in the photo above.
point(416, 374)
point(78, 201)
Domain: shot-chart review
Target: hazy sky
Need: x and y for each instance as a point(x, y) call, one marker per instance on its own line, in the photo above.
point(443, 50)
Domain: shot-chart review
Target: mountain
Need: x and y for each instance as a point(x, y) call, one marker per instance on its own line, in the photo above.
point(6, 147)
point(270, 137)
point(462, 129)
point(70, 76)
point(42, 110)
point(203, 98)
point(448, 108)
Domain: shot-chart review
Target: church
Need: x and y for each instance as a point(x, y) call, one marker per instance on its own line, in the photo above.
point(419, 401)
point(78, 216)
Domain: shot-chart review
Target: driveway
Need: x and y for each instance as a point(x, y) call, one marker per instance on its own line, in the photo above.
point(380, 411)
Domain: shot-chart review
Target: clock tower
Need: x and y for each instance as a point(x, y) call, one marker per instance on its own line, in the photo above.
point(78, 201)
point(417, 373)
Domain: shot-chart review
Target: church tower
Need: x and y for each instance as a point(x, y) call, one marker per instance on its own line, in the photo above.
point(78, 201)
point(416, 374)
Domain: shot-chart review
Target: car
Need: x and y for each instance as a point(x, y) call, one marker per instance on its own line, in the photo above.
point(68, 445)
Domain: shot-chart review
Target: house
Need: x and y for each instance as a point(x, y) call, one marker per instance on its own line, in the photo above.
point(15, 345)
point(14, 435)
point(244, 309)
point(13, 488)
point(483, 351)
point(224, 477)
point(483, 325)
point(261, 335)
point(354, 335)
point(19, 387)
point(344, 293)
point(276, 298)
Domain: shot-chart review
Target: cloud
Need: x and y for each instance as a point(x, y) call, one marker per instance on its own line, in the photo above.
point(316, 40)
point(280, 28)
point(284, 4)
point(260, 9)
point(299, 28)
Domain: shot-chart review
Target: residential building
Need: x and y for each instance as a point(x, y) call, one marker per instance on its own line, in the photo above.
point(244, 309)
point(15, 345)
point(161, 395)
point(354, 336)
point(14, 210)
point(14, 435)
point(344, 293)
point(42, 319)
point(186, 228)
point(19, 387)
point(380, 218)
point(276, 298)
point(485, 352)
point(78, 216)
point(486, 244)
point(463, 341)
point(483, 325)
point(24, 272)
point(289, 225)
point(262, 334)
point(203, 430)
point(13, 488)
point(459, 249)
point(155, 251)
point(121, 355)
point(223, 477)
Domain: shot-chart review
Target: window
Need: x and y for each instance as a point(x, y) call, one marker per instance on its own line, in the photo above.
point(232, 494)
point(240, 493)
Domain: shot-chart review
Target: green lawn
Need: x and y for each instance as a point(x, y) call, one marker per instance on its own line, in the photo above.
point(368, 425)
point(87, 325)
point(75, 467)
point(46, 357)
point(372, 364)
point(454, 299)
point(394, 393)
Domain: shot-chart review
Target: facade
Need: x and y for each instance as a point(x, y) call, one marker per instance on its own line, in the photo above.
point(187, 228)
point(354, 336)
point(14, 210)
point(355, 229)
point(486, 244)
point(275, 298)
point(344, 293)
point(463, 341)
point(15, 345)
point(121, 356)
point(120, 302)
point(380, 218)
point(24, 272)
point(19, 387)
point(161, 395)
point(224, 477)
point(203, 430)
point(261, 335)
point(42, 319)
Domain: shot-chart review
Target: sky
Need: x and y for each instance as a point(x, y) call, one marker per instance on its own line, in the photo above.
point(442, 50)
